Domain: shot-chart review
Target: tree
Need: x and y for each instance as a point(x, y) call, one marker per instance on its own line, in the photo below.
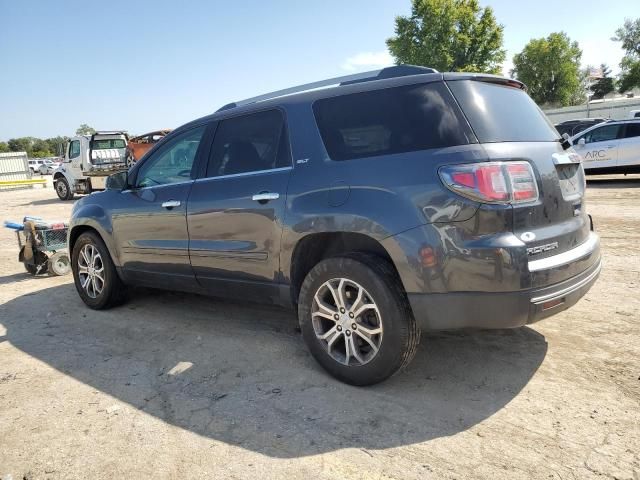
point(4, 147)
point(21, 145)
point(450, 36)
point(85, 129)
point(603, 85)
point(550, 67)
point(629, 35)
point(56, 145)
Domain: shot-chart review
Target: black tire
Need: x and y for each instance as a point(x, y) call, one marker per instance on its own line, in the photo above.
point(114, 290)
point(62, 189)
point(400, 336)
point(40, 264)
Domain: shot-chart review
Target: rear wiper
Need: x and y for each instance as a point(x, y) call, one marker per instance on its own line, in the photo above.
point(564, 141)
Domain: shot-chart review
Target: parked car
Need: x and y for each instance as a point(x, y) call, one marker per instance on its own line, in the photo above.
point(35, 164)
point(634, 114)
point(48, 166)
point(573, 127)
point(613, 147)
point(138, 146)
point(397, 201)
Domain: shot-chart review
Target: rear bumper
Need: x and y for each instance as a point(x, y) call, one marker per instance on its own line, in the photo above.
point(455, 310)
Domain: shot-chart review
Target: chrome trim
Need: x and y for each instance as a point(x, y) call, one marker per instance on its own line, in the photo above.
point(572, 255)
point(171, 203)
point(138, 189)
point(570, 289)
point(261, 197)
point(246, 174)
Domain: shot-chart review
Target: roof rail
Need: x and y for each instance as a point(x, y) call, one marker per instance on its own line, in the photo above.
point(389, 72)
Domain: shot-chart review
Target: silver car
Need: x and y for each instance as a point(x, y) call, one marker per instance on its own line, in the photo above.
point(611, 147)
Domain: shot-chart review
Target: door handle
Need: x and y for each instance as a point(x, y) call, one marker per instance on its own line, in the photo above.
point(264, 197)
point(171, 203)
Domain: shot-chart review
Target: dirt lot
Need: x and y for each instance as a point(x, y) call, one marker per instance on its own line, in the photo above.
point(180, 386)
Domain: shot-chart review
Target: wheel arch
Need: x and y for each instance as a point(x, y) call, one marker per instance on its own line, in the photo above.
point(315, 247)
point(87, 225)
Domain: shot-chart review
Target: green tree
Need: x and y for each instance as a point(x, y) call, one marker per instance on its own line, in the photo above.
point(40, 148)
point(550, 67)
point(603, 85)
point(4, 147)
point(85, 129)
point(629, 35)
point(23, 144)
point(56, 145)
point(450, 36)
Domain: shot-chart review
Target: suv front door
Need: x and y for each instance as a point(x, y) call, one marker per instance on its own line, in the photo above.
point(601, 146)
point(149, 220)
point(235, 211)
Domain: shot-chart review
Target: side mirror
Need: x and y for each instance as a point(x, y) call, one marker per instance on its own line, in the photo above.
point(117, 181)
point(582, 142)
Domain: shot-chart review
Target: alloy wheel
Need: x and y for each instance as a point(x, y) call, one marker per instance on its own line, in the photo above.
point(91, 270)
point(347, 321)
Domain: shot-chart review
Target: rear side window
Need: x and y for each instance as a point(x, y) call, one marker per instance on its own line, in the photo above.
point(106, 143)
point(393, 120)
point(632, 130)
point(249, 143)
point(499, 113)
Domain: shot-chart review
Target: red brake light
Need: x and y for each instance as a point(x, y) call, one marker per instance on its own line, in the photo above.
point(523, 183)
point(492, 182)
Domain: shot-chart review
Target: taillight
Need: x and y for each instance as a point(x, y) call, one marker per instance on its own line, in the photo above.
point(492, 182)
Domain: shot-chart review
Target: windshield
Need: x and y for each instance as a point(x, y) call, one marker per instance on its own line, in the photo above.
point(102, 144)
point(499, 113)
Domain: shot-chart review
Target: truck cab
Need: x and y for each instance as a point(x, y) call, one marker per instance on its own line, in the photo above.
point(88, 161)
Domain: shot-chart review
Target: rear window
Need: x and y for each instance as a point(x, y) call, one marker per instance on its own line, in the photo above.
point(108, 143)
point(498, 113)
point(393, 120)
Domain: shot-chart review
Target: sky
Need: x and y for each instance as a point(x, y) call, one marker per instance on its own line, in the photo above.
point(145, 65)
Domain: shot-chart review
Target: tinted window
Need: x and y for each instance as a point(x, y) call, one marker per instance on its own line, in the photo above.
point(499, 113)
point(106, 143)
point(74, 149)
point(602, 134)
point(393, 120)
point(249, 143)
point(633, 130)
point(173, 162)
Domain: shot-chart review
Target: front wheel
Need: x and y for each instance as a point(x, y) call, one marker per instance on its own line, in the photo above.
point(62, 189)
point(94, 273)
point(356, 319)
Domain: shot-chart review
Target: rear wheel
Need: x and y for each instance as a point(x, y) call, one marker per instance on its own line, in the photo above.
point(356, 320)
point(62, 189)
point(38, 265)
point(94, 273)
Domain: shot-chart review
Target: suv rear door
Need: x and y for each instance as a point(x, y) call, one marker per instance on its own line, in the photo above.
point(510, 126)
point(236, 209)
point(629, 145)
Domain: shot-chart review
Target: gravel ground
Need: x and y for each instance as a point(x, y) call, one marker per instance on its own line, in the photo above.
point(181, 386)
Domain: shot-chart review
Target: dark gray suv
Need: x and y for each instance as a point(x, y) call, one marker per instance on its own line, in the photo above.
point(393, 202)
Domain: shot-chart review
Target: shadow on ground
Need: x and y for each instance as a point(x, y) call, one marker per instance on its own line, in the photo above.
point(618, 182)
point(251, 381)
point(46, 201)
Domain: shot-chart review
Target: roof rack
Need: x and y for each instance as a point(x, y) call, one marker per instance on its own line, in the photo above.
point(389, 72)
